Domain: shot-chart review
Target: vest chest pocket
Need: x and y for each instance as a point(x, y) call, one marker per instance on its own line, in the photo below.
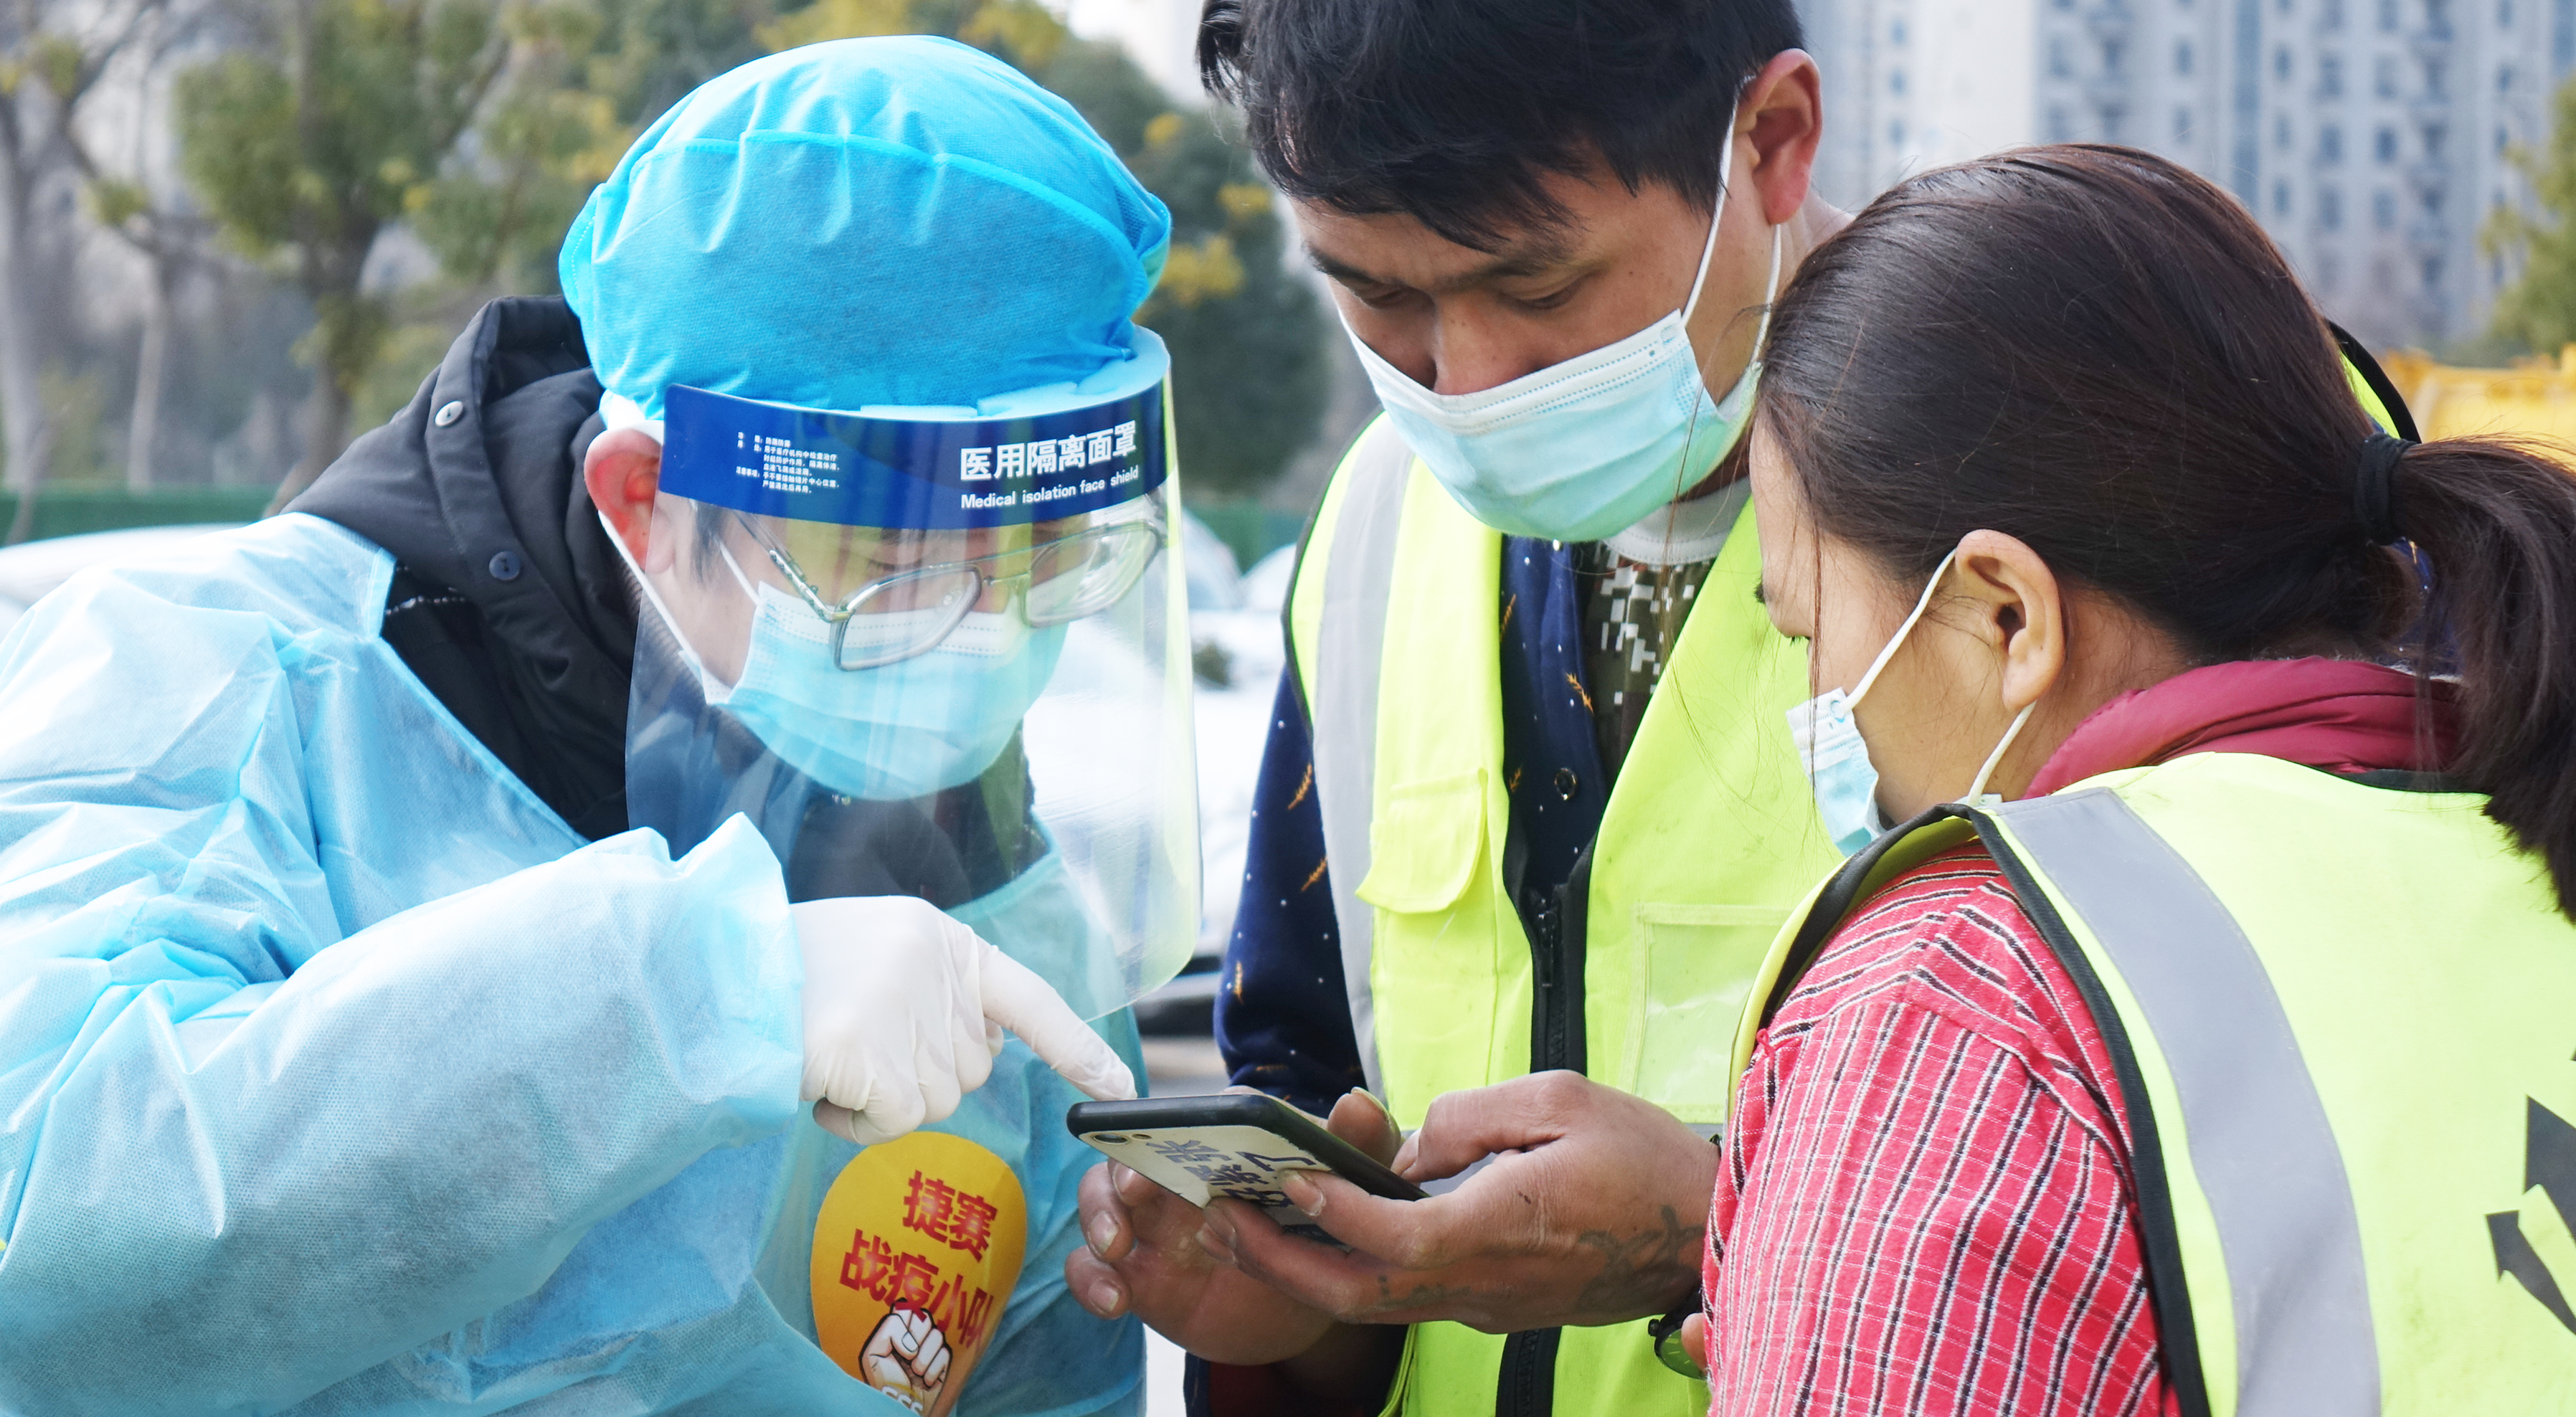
point(1432, 957)
point(1696, 965)
point(1424, 846)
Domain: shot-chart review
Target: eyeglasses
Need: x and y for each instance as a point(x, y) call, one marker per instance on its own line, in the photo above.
point(896, 617)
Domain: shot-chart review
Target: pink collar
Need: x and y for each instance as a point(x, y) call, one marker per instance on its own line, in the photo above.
point(2340, 715)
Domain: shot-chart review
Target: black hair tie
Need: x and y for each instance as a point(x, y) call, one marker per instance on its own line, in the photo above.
point(2374, 489)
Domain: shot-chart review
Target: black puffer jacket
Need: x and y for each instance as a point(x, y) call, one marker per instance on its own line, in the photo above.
point(508, 600)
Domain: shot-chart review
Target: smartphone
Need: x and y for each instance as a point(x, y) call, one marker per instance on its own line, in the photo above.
point(1229, 1144)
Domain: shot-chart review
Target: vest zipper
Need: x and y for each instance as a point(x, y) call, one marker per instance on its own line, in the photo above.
point(1558, 937)
point(1557, 944)
point(1528, 1386)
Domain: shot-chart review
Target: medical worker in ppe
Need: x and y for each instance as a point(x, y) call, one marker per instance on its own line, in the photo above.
point(426, 913)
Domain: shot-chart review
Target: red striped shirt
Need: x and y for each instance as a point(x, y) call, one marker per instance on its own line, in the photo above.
point(1925, 1204)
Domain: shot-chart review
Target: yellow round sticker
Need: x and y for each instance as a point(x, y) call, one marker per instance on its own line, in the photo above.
point(916, 1251)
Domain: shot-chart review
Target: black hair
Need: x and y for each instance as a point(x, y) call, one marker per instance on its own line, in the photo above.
point(1454, 111)
point(2099, 353)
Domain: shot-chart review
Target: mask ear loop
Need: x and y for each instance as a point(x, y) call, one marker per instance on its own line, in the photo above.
point(1921, 604)
point(1977, 794)
point(1690, 306)
point(1708, 248)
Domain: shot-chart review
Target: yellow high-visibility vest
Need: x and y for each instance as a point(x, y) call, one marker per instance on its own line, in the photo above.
point(2343, 1018)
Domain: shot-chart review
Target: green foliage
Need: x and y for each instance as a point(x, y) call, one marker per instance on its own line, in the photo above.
point(2538, 311)
point(1247, 336)
point(315, 142)
point(542, 142)
point(482, 125)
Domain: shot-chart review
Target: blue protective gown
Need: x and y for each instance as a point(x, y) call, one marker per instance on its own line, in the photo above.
point(338, 1074)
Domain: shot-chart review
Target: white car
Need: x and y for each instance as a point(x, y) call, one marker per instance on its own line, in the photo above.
point(30, 569)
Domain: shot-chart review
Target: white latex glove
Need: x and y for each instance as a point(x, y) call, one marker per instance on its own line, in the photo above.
point(904, 1012)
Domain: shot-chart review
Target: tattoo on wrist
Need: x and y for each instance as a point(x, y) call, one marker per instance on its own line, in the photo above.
point(1640, 1272)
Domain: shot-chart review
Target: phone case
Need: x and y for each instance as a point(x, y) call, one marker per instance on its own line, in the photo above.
point(1234, 1145)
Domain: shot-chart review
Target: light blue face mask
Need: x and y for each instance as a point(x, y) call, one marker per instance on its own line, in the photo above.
point(1837, 759)
point(900, 730)
point(1580, 450)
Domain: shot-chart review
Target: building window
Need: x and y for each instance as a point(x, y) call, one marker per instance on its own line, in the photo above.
point(2385, 76)
point(2329, 145)
point(1896, 82)
point(2059, 64)
point(1896, 134)
point(2388, 16)
point(2432, 272)
point(1896, 31)
point(2502, 141)
point(2280, 198)
point(2281, 131)
point(2331, 17)
point(2329, 271)
point(2182, 125)
point(2504, 14)
point(2330, 76)
point(2059, 130)
point(2281, 62)
point(2182, 57)
point(2385, 145)
point(2504, 80)
point(2330, 208)
point(2383, 210)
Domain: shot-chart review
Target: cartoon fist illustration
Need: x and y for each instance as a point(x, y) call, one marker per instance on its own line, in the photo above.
point(907, 1359)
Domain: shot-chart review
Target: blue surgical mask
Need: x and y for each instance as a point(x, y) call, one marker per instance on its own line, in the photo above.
point(1583, 449)
point(1829, 743)
point(900, 730)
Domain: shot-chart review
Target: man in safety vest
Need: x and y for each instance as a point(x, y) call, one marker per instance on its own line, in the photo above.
point(1526, 805)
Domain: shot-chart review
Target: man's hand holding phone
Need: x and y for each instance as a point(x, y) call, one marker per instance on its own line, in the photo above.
point(1147, 1252)
point(1592, 1211)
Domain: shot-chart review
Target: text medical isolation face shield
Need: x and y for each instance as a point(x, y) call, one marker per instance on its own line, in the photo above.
point(936, 653)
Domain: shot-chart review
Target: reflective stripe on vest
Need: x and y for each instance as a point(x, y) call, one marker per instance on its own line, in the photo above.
point(2344, 1022)
point(1341, 678)
point(2250, 1114)
point(1708, 835)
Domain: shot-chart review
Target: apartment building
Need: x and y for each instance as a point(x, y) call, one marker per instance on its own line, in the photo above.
point(2368, 136)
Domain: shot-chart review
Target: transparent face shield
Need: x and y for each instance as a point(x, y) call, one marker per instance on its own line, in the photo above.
point(944, 657)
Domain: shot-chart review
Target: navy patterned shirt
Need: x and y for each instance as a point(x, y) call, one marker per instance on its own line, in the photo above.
point(1282, 1014)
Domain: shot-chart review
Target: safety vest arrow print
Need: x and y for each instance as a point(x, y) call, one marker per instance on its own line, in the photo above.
point(2549, 1165)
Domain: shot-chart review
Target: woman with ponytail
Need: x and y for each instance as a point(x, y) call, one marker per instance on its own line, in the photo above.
point(2201, 1040)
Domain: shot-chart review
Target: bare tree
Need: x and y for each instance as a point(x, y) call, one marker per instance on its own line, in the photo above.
point(54, 56)
point(165, 232)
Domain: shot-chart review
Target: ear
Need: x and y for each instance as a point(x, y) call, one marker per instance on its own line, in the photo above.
point(1782, 112)
point(623, 470)
point(2019, 609)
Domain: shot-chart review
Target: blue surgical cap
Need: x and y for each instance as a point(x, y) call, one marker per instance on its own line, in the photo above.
point(871, 222)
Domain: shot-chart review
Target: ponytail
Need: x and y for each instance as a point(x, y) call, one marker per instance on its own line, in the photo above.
point(2496, 521)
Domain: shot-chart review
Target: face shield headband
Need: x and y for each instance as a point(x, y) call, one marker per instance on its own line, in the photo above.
point(925, 469)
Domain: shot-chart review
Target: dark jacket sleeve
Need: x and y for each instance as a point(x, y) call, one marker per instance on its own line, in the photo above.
point(1283, 1020)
